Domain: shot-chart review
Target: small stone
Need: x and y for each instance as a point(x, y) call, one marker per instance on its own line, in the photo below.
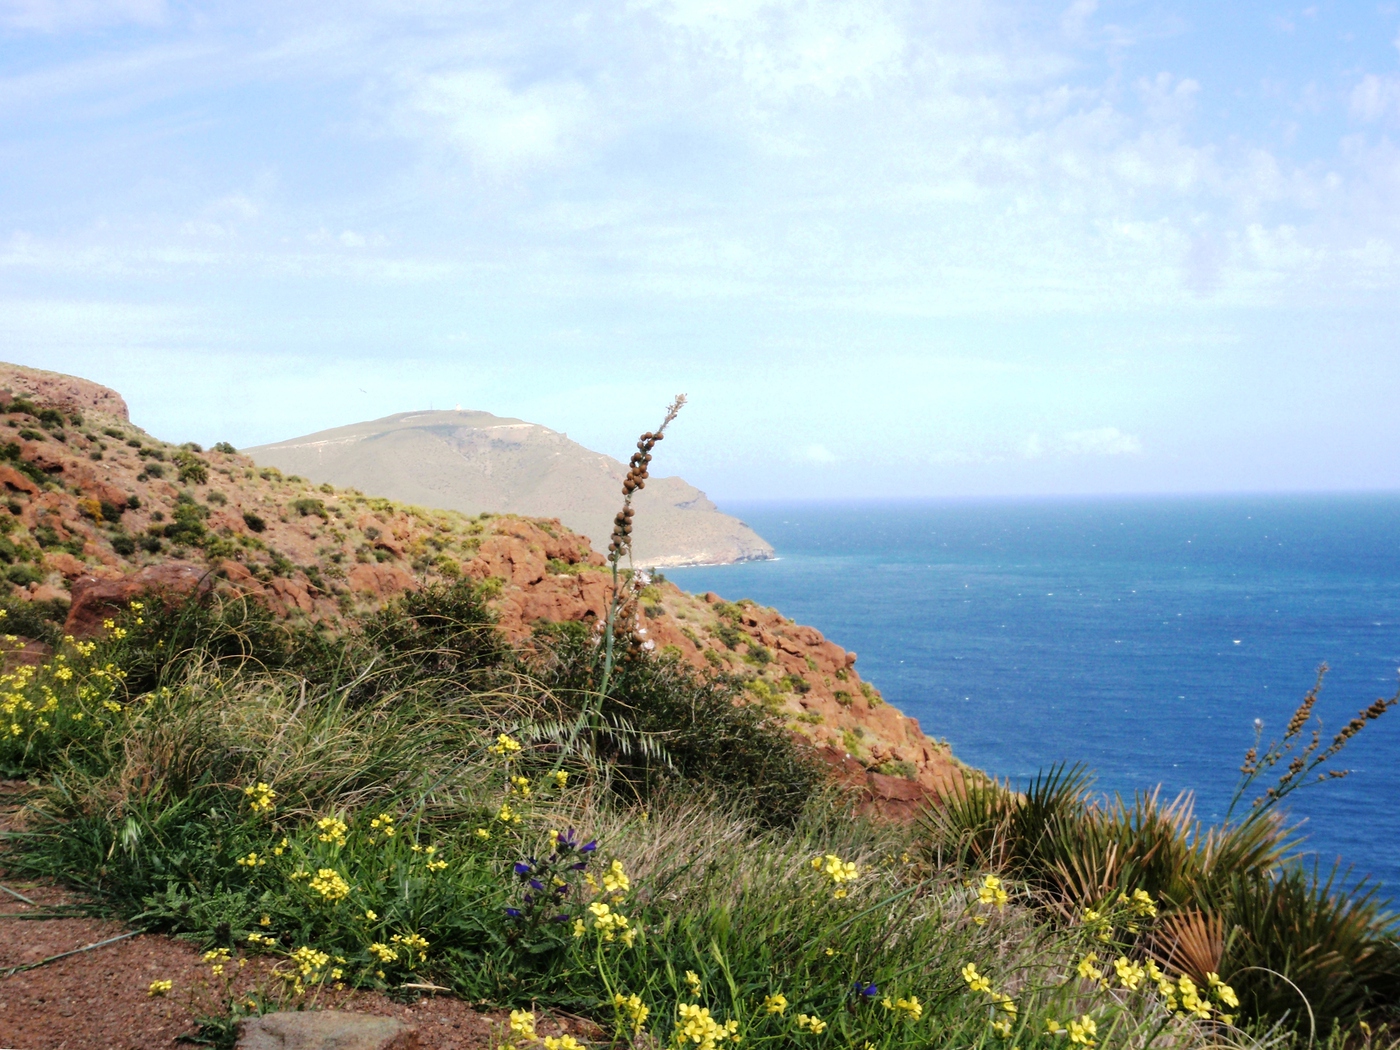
point(326, 1030)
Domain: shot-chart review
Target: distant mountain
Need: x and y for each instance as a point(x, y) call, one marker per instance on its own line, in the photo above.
point(475, 462)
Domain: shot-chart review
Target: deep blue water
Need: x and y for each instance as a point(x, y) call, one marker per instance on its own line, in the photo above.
point(1142, 636)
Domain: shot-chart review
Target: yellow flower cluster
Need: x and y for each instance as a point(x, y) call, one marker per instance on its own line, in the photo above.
point(560, 778)
point(217, 958)
point(637, 1011)
point(1130, 974)
point(520, 784)
point(384, 824)
point(611, 925)
point(809, 1023)
point(562, 1042)
point(1142, 904)
point(252, 860)
point(1184, 998)
point(837, 870)
point(308, 960)
point(522, 1023)
point(692, 980)
point(412, 941)
point(157, 988)
point(992, 892)
point(261, 797)
point(615, 879)
point(697, 1027)
point(982, 984)
point(975, 981)
point(911, 1008)
point(1097, 924)
point(1081, 1031)
point(333, 830)
point(775, 1004)
point(330, 884)
point(383, 952)
point(1086, 968)
point(506, 815)
point(260, 940)
point(505, 745)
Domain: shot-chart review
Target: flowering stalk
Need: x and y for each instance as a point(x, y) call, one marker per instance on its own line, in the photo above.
point(1305, 762)
point(619, 547)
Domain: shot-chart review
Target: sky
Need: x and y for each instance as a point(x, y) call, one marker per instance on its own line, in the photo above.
point(887, 249)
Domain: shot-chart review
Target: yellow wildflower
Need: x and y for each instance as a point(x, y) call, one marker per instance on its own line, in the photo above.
point(911, 1007)
point(992, 892)
point(505, 745)
point(1130, 974)
point(522, 1023)
point(333, 830)
point(260, 797)
point(330, 884)
point(562, 1042)
point(636, 1010)
point(1083, 1031)
point(692, 980)
point(1087, 969)
point(775, 1004)
point(810, 1023)
point(615, 880)
point(975, 981)
point(158, 988)
point(383, 953)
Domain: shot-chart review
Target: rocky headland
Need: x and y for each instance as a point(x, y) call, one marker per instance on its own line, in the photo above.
point(99, 511)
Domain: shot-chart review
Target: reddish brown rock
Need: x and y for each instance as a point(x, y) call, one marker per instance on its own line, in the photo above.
point(291, 594)
point(14, 481)
point(380, 581)
point(96, 599)
point(67, 392)
point(65, 563)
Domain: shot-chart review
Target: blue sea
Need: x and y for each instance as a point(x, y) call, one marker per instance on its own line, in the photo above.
point(1141, 637)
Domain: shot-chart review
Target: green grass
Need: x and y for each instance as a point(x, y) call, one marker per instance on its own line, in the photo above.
point(417, 768)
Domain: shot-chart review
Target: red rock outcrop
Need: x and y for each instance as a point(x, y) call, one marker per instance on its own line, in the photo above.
point(95, 599)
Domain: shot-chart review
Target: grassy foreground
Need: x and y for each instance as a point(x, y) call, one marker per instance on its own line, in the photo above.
point(414, 806)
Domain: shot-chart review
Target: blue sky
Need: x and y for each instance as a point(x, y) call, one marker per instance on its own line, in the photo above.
point(888, 249)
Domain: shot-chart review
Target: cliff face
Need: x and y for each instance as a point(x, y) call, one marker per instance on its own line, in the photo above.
point(474, 462)
point(96, 512)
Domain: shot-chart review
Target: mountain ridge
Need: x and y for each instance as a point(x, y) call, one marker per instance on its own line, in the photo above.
point(473, 461)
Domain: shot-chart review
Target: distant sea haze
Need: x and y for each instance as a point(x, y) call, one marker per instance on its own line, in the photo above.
point(1141, 637)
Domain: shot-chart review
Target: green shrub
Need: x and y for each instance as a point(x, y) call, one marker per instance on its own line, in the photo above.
point(738, 752)
point(224, 447)
point(308, 506)
point(254, 522)
point(190, 467)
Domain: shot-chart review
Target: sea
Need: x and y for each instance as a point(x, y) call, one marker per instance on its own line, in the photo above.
point(1141, 637)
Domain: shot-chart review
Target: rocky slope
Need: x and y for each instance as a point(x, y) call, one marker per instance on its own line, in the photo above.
point(97, 511)
point(474, 462)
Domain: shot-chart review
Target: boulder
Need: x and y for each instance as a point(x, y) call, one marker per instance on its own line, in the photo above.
point(69, 566)
point(326, 1030)
point(380, 581)
point(13, 481)
point(96, 599)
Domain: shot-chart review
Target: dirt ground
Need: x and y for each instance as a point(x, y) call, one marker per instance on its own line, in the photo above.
point(98, 999)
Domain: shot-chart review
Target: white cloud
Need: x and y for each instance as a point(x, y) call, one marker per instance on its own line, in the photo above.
point(500, 127)
point(1376, 97)
point(1102, 441)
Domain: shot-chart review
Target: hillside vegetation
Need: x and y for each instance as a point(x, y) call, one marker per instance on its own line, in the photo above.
point(471, 788)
